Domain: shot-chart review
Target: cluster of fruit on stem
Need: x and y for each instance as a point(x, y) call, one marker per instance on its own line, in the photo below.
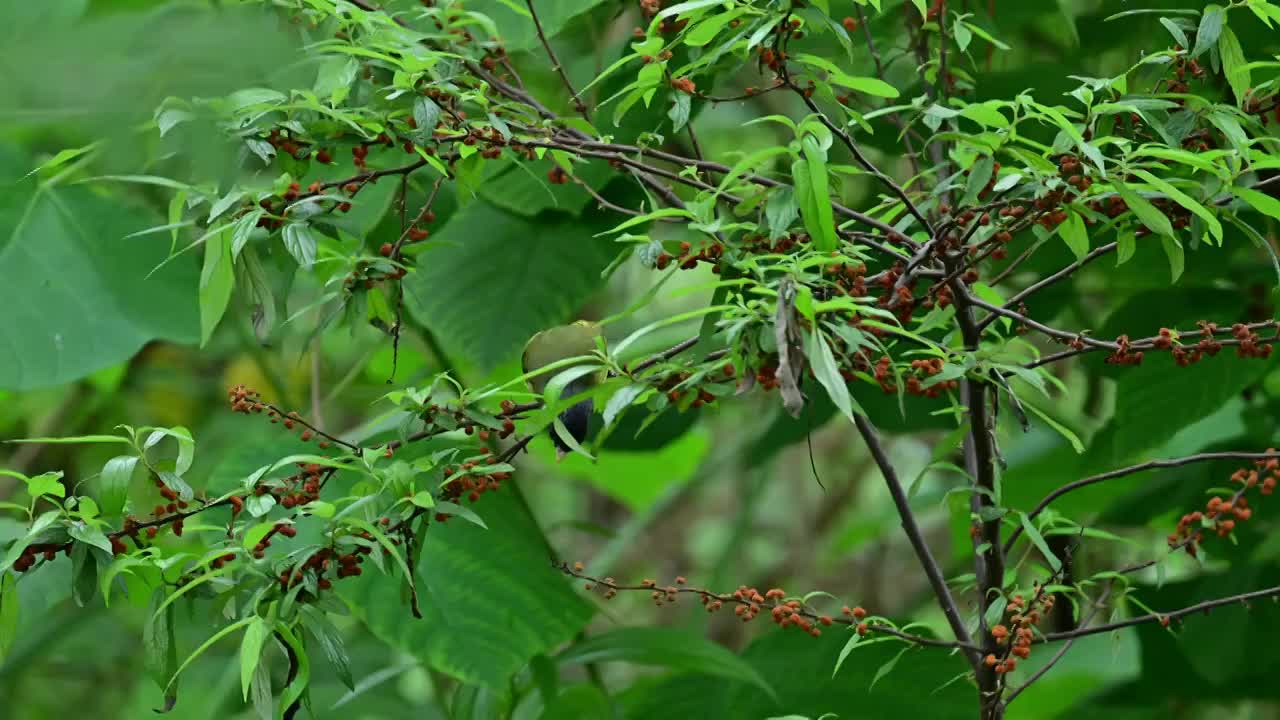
point(749, 602)
point(1221, 513)
point(1015, 634)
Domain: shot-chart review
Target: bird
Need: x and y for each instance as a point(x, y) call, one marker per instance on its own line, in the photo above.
point(550, 346)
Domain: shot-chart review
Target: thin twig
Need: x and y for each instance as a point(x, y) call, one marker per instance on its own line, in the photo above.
point(578, 105)
point(925, 556)
point(1131, 470)
point(1242, 598)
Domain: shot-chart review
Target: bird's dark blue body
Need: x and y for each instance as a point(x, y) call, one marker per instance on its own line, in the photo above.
point(577, 418)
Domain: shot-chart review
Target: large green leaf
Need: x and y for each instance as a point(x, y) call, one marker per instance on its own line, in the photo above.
point(491, 280)
point(524, 189)
point(664, 647)
point(635, 479)
point(799, 669)
point(1223, 656)
point(514, 23)
point(491, 599)
point(76, 293)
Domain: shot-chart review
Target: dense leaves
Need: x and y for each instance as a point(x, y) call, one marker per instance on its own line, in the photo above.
point(963, 312)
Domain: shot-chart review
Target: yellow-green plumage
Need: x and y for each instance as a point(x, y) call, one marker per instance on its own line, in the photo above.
point(556, 344)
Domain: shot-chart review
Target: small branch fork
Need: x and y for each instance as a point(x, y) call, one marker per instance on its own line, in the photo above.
point(751, 602)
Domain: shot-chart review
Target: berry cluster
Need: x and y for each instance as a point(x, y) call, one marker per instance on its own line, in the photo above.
point(848, 278)
point(297, 489)
point(687, 259)
point(748, 602)
point(1248, 342)
point(676, 386)
point(1220, 513)
point(249, 402)
point(1124, 354)
point(462, 481)
point(921, 371)
point(1022, 617)
point(49, 551)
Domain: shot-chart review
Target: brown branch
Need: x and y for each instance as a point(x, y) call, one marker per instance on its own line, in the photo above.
point(578, 105)
point(1163, 618)
point(768, 604)
point(930, 565)
point(1062, 651)
point(1147, 343)
point(859, 157)
point(295, 417)
point(1057, 277)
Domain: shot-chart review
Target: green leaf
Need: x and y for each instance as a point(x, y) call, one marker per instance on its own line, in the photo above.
point(1126, 246)
point(1061, 429)
point(1211, 23)
point(827, 371)
point(1033, 534)
point(681, 103)
point(888, 666)
point(1075, 234)
point(8, 612)
point(160, 654)
point(781, 210)
point(866, 85)
point(255, 637)
point(1186, 201)
point(447, 508)
point(1233, 64)
point(1173, 250)
point(1261, 202)
point(77, 298)
point(49, 483)
point(41, 523)
point(1089, 150)
point(987, 114)
point(514, 27)
point(815, 195)
point(331, 643)
point(168, 612)
point(799, 669)
point(662, 647)
point(467, 576)
point(302, 681)
point(334, 78)
point(89, 534)
point(1156, 221)
point(216, 282)
point(706, 30)
point(979, 175)
point(519, 276)
point(977, 30)
point(93, 439)
point(523, 189)
point(300, 241)
point(621, 400)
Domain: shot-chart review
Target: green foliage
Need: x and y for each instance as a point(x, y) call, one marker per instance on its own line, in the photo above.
point(81, 293)
point(899, 299)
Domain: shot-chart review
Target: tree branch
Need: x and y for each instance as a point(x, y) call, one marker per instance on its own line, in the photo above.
point(1131, 470)
point(930, 565)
